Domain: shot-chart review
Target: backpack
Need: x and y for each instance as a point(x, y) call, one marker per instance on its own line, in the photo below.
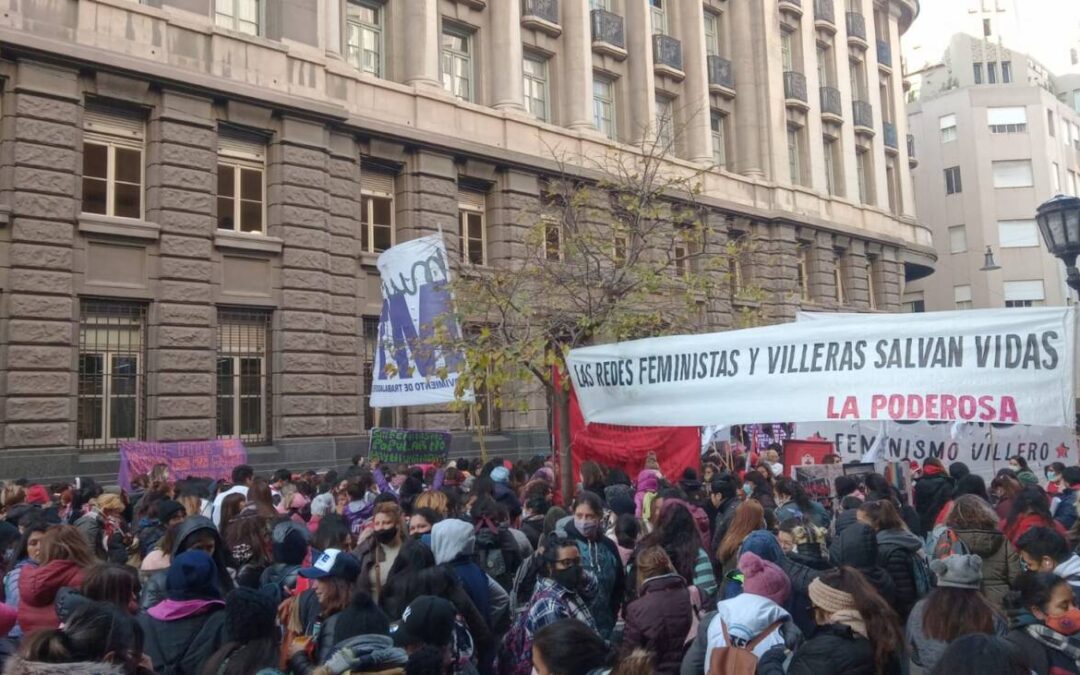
point(734, 660)
point(515, 655)
point(922, 575)
point(489, 554)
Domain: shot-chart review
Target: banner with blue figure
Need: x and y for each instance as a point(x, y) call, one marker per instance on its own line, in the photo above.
point(415, 363)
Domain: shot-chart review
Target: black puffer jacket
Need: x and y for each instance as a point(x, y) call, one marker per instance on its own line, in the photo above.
point(806, 568)
point(896, 552)
point(931, 493)
point(183, 646)
point(724, 516)
point(834, 649)
point(843, 520)
point(154, 590)
point(857, 547)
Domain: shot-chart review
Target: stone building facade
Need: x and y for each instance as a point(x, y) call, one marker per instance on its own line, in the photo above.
point(193, 194)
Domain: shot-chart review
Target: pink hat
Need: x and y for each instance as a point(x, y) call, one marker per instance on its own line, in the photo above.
point(761, 577)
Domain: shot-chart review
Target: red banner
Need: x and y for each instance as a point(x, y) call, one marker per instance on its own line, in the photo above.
point(676, 448)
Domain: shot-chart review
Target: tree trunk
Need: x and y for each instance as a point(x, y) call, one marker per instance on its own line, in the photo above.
point(566, 466)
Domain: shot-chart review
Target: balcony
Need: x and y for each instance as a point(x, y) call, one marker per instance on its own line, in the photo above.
point(542, 16)
point(884, 55)
point(892, 145)
point(721, 77)
point(863, 116)
point(667, 57)
point(795, 90)
point(792, 7)
point(832, 109)
point(856, 30)
point(608, 33)
point(911, 160)
point(825, 16)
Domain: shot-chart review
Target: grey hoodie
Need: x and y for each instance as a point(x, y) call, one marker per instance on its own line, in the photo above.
point(901, 538)
point(451, 538)
point(1070, 571)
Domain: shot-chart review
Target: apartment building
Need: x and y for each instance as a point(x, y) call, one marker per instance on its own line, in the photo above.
point(193, 192)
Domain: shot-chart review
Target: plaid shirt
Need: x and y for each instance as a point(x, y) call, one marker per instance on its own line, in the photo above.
point(551, 602)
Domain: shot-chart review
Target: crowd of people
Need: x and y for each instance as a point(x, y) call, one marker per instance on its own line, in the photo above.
point(729, 568)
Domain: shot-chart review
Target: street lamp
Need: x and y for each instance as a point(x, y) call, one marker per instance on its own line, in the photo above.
point(988, 261)
point(1059, 222)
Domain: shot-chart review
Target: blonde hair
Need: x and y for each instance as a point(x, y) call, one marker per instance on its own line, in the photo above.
point(110, 502)
point(12, 495)
point(434, 500)
point(652, 562)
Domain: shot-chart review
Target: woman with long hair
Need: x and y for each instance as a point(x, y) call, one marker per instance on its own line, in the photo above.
point(28, 554)
point(795, 502)
point(248, 541)
point(65, 556)
point(756, 486)
point(750, 516)
point(380, 550)
point(113, 583)
point(897, 549)
point(974, 523)
point(568, 647)
point(1023, 472)
point(1044, 622)
point(954, 608)
point(261, 501)
point(1055, 479)
point(1004, 488)
point(97, 638)
point(857, 631)
point(677, 535)
point(660, 619)
point(1030, 508)
point(231, 507)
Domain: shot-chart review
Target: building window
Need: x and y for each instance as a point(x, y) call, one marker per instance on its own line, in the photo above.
point(962, 297)
point(665, 123)
point(604, 105)
point(553, 249)
point(1012, 120)
point(863, 169)
point(535, 71)
point(892, 184)
point(600, 4)
point(619, 245)
point(658, 14)
point(986, 28)
point(112, 347)
point(838, 276)
point(1006, 72)
point(948, 128)
point(802, 279)
point(915, 306)
point(1024, 293)
point(1055, 178)
point(794, 156)
point(112, 180)
point(1013, 173)
point(1051, 126)
point(1017, 233)
point(364, 37)
point(952, 181)
point(681, 262)
point(957, 239)
point(834, 177)
point(740, 263)
point(471, 208)
point(978, 73)
point(376, 417)
point(712, 34)
point(787, 50)
point(991, 73)
point(243, 16)
point(241, 184)
point(1073, 184)
point(242, 375)
point(871, 286)
point(376, 211)
point(719, 147)
point(457, 68)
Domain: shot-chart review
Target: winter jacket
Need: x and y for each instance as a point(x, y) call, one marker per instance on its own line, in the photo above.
point(38, 587)
point(153, 590)
point(18, 666)
point(1026, 522)
point(1001, 564)
point(452, 543)
point(817, 515)
point(11, 590)
point(834, 649)
point(1036, 655)
point(505, 496)
point(150, 533)
point(359, 512)
point(843, 519)
point(801, 570)
point(180, 644)
point(1069, 570)
point(925, 651)
point(601, 557)
point(533, 527)
point(857, 547)
point(1065, 510)
point(723, 519)
point(931, 493)
point(659, 621)
point(361, 653)
point(746, 616)
point(896, 552)
point(92, 526)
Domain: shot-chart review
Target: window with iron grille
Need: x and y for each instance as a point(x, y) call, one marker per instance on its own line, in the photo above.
point(112, 354)
point(376, 417)
point(243, 375)
point(486, 416)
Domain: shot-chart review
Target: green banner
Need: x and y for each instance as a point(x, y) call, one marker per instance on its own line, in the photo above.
point(406, 446)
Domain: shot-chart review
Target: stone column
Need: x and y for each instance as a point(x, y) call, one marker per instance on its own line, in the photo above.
point(429, 199)
point(697, 109)
point(749, 117)
point(638, 88)
point(39, 401)
point(506, 54)
point(719, 314)
point(331, 10)
point(577, 65)
point(420, 21)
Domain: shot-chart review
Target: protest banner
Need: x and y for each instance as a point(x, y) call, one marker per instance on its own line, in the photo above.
point(417, 312)
point(205, 459)
point(804, 452)
point(406, 446)
point(1011, 366)
point(985, 448)
point(819, 480)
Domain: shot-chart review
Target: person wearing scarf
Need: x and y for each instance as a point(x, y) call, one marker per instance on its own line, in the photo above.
point(1044, 623)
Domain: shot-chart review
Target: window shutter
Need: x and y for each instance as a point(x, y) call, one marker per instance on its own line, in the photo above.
point(472, 200)
point(1025, 290)
point(1003, 116)
point(377, 182)
point(121, 123)
point(962, 293)
point(947, 121)
point(1013, 173)
point(242, 146)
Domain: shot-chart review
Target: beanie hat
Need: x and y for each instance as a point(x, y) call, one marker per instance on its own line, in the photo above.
point(192, 576)
point(761, 577)
point(553, 516)
point(167, 510)
point(290, 543)
point(958, 571)
point(621, 502)
point(764, 544)
point(37, 494)
point(361, 617)
point(249, 615)
point(500, 474)
point(829, 599)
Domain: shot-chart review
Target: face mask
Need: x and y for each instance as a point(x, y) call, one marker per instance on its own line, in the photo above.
point(586, 527)
point(748, 489)
point(1015, 468)
point(569, 579)
point(1051, 476)
point(1066, 624)
point(386, 536)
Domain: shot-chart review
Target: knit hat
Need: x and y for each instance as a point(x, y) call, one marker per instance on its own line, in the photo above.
point(958, 571)
point(249, 615)
point(290, 542)
point(621, 502)
point(167, 510)
point(764, 544)
point(193, 576)
point(37, 494)
point(761, 577)
point(829, 599)
point(500, 474)
point(361, 617)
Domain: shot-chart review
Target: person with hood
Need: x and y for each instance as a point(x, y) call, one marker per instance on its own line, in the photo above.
point(164, 514)
point(897, 550)
point(65, 557)
point(1044, 623)
point(251, 635)
point(661, 618)
point(954, 608)
point(1030, 508)
point(198, 533)
point(793, 501)
point(755, 617)
point(931, 493)
point(362, 644)
point(188, 626)
point(975, 524)
point(858, 548)
point(97, 639)
point(1044, 550)
point(858, 633)
point(600, 557)
point(502, 492)
point(1023, 472)
point(453, 542)
point(289, 543)
point(28, 554)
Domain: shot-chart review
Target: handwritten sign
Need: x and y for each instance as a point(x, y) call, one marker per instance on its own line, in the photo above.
point(206, 459)
point(406, 446)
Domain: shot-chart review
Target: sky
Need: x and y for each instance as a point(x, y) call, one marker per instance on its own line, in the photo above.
point(1044, 29)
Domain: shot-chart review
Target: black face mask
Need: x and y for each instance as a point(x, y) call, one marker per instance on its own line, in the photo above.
point(386, 536)
point(418, 535)
point(569, 579)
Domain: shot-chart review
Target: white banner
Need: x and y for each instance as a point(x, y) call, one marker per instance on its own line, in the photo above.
point(417, 310)
point(1012, 366)
point(985, 448)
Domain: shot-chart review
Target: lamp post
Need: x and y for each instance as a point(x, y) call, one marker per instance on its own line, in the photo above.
point(1059, 223)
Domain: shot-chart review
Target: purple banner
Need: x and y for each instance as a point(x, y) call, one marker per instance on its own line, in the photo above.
point(205, 459)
